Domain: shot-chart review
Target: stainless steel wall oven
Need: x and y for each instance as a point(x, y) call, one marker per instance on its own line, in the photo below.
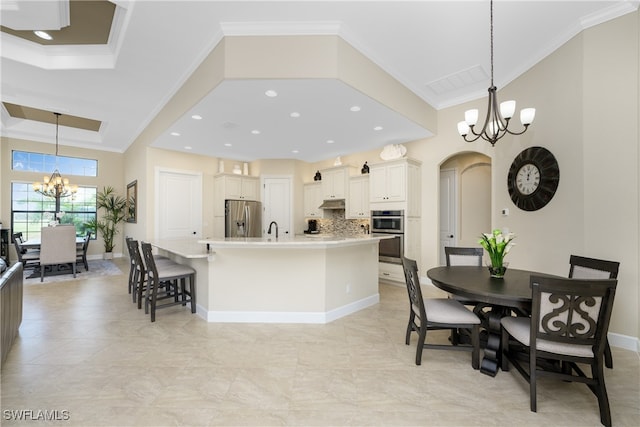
point(389, 223)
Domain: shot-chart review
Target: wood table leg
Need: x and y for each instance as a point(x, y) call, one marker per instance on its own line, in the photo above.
point(493, 349)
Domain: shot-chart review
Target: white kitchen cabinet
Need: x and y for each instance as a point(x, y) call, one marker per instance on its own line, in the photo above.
point(335, 182)
point(358, 200)
point(236, 187)
point(390, 272)
point(395, 184)
point(312, 200)
point(388, 182)
point(240, 187)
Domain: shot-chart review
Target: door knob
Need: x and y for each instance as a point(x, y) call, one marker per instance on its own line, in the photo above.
point(451, 236)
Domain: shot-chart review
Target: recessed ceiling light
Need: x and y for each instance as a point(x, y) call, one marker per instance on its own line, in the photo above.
point(187, 147)
point(295, 151)
point(196, 117)
point(227, 144)
point(175, 133)
point(271, 93)
point(378, 128)
point(43, 35)
point(255, 132)
point(355, 108)
point(295, 114)
point(330, 141)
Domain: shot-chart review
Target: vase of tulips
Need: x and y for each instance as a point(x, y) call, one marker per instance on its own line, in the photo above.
point(497, 246)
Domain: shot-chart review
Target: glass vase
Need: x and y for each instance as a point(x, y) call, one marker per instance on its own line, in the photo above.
point(498, 271)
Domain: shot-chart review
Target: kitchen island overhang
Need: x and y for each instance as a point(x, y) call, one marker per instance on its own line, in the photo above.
point(300, 279)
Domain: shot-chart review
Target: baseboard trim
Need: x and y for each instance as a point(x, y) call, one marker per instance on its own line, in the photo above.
point(286, 317)
point(624, 341)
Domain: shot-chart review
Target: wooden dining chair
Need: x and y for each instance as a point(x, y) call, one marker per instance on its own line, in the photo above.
point(81, 252)
point(592, 268)
point(437, 314)
point(467, 256)
point(458, 255)
point(568, 324)
point(28, 258)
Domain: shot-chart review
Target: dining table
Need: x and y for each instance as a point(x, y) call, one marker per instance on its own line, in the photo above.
point(34, 242)
point(502, 296)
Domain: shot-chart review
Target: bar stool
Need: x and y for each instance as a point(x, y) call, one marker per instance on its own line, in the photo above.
point(138, 271)
point(167, 281)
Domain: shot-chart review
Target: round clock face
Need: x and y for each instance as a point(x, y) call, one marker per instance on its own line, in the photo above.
point(533, 178)
point(528, 179)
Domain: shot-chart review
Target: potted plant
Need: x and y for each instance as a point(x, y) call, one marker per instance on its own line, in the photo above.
point(498, 246)
point(114, 207)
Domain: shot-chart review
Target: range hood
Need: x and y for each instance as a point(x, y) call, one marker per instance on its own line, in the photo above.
point(333, 204)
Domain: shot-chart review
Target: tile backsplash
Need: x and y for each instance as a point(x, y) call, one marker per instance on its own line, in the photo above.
point(335, 222)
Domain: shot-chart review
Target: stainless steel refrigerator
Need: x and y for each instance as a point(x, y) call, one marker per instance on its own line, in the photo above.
point(243, 218)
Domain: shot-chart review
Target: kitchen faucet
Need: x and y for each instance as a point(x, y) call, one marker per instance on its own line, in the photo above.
point(269, 230)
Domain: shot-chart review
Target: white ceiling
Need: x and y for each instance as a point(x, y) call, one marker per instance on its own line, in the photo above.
point(437, 49)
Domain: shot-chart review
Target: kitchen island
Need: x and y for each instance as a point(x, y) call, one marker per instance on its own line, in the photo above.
point(297, 279)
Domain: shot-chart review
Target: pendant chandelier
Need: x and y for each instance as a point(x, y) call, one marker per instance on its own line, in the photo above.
point(55, 186)
point(496, 124)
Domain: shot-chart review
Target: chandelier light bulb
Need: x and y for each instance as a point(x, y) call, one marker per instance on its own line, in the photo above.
point(471, 117)
point(507, 108)
point(463, 128)
point(527, 115)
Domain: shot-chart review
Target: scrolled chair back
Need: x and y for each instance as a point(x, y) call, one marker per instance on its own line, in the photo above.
point(573, 311)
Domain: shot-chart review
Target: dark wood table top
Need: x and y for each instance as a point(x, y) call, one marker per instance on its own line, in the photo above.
point(475, 283)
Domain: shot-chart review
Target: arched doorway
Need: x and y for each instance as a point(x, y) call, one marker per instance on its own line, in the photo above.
point(465, 200)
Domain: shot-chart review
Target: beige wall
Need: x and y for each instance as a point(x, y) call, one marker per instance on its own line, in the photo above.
point(611, 139)
point(110, 173)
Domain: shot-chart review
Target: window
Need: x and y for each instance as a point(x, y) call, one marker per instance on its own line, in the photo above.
point(30, 211)
point(46, 163)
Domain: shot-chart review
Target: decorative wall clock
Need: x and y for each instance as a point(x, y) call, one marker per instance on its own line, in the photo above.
point(533, 178)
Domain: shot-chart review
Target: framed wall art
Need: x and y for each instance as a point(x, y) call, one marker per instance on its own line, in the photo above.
point(132, 201)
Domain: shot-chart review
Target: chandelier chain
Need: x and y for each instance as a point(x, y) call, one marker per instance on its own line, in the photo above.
point(491, 41)
point(56, 186)
point(57, 118)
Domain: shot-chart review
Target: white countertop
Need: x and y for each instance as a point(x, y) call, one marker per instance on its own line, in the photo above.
point(197, 248)
point(288, 241)
point(184, 247)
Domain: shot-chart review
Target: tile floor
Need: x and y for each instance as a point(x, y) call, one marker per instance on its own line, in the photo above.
point(85, 351)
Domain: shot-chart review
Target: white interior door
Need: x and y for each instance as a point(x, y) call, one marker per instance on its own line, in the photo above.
point(178, 204)
point(448, 210)
point(276, 200)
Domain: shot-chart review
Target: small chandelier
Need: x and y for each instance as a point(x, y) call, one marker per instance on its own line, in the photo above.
point(497, 121)
point(55, 186)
